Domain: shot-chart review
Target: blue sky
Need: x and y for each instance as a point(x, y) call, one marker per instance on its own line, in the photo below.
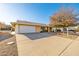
point(38, 12)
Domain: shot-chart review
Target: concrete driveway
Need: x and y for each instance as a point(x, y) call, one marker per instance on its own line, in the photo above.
point(45, 44)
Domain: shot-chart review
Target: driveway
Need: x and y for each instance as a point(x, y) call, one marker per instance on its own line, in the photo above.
point(35, 36)
point(45, 44)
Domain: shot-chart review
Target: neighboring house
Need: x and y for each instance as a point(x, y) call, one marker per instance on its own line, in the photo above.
point(29, 27)
point(2, 26)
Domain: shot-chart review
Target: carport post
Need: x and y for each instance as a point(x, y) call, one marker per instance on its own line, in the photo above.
point(67, 32)
point(48, 29)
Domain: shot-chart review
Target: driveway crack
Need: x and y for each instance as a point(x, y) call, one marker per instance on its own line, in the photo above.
point(65, 48)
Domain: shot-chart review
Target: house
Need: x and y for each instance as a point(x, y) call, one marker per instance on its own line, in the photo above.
point(29, 27)
point(2, 26)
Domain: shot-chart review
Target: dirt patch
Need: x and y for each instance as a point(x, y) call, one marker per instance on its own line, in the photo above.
point(64, 35)
point(6, 49)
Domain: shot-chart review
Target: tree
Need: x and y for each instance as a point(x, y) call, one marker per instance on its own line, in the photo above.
point(64, 18)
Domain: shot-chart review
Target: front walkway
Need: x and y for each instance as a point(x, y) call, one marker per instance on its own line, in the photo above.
point(48, 45)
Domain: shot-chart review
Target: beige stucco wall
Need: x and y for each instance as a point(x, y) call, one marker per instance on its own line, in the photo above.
point(17, 29)
point(38, 28)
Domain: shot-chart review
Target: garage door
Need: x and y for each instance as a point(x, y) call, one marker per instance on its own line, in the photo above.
point(26, 29)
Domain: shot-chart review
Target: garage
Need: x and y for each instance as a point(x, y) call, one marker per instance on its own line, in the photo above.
point(25, 29)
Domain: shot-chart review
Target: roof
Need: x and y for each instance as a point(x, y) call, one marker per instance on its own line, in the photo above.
point(28, 22)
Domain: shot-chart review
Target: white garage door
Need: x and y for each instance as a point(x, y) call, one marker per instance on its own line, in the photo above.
point(26, 29)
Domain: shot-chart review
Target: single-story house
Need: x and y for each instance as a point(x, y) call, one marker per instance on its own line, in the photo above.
point(29, 27)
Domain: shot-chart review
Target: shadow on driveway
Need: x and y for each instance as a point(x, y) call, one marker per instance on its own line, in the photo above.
point(34, 36)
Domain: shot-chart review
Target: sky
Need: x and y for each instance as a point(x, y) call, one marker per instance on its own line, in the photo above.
point(34, 12)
